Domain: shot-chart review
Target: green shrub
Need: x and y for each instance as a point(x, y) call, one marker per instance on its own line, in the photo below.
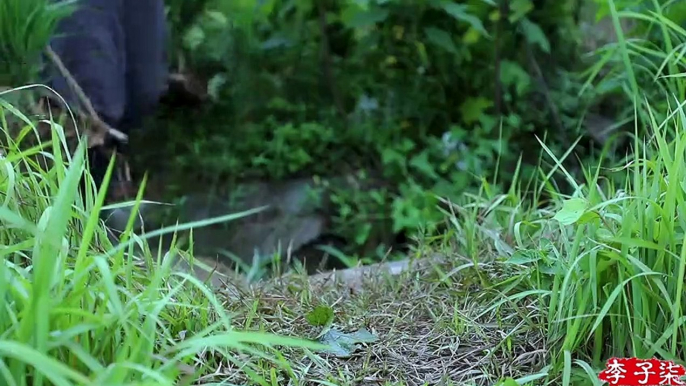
point(404, 91)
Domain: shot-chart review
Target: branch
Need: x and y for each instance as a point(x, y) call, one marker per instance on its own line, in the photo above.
point(83, 99)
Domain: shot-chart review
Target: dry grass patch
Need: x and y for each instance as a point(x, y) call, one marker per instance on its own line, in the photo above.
point(435, 323)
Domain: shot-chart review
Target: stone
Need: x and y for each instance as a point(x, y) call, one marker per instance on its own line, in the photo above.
point(290, 220)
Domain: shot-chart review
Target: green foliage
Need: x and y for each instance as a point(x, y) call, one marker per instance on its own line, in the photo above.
point(79, 310)
point(320, 316)
point(277, 151)
point(642, 65)
point(573, 211)
point(405, 92)
point(606, 264)
point(26, 27)
point(601, 270)
point(507, 382)
point(611, 264)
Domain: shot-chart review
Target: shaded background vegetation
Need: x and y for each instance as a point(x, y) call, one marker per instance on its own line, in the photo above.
point(401, 94)
point(415, 100)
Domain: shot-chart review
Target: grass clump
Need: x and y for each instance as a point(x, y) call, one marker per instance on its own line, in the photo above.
point(27, 25)
point(605, 264)
point(78, 310)
point(619, 291)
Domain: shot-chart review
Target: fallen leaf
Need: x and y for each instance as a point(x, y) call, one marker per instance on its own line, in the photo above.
point(343, 345)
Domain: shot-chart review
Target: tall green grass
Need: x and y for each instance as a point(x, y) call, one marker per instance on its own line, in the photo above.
point(646, 63)
point(78, 310)
point(26, 26)
point(622, 291)
point(606, 264)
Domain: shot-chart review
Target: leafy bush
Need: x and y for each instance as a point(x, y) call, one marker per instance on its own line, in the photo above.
point(405, 92)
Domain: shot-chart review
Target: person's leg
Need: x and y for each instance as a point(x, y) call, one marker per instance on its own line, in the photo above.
point(145, 35)
point(145, 31)
point(91, 44)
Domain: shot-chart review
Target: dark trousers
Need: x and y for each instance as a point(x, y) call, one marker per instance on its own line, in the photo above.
point(116, 51)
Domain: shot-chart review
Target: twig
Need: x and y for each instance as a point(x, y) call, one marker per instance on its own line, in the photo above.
point(83, 99)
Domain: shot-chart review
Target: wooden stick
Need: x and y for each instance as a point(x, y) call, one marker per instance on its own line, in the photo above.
point(85, 101)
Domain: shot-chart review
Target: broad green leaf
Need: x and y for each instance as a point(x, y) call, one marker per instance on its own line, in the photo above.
point(572, 210)
point(355, 17)
point(471, 36)
point(523, 257)
point(320, 316)
point(459, 12)
point(194, 37)
point(534, 35)
point(507, 382)
point(421, 51)
point(218, 17)
point(421, 163)
point(473, 108)
point(513, 75)
point(588, 217)
point(440, 38)
point(519, 9)
point(215, 85)
point(604, 234)
point(363, 4)
point(362, 234)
